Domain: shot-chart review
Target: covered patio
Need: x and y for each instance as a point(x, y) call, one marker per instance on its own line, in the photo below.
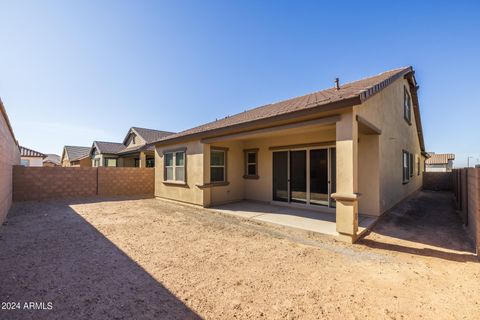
point(300, 218)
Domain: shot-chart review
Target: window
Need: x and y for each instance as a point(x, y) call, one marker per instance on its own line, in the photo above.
point(150, 162)
point(407, 166)
point(174, 163)
point(136, 162)
point(411, 165)
point(110, 162)
point(96, 162)
point(251, 166)
point(418, 166)
point(25, 162)
point(407, 106)
point(217, 165)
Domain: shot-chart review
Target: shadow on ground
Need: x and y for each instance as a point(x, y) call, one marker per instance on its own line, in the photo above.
point(48, 253)
point(426, 219)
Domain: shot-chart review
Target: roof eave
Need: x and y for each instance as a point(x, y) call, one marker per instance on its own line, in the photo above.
point(247, 126)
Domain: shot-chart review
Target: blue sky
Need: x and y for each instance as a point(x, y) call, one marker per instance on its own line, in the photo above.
point(76, 71)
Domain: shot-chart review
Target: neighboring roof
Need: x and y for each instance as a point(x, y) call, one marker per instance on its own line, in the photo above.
point(75, 153)
point(109, 147)
point(144, 147)
point(5, 116)
point(53, 158)
point(25, 152)
point(440, 158)
point(347, 95)
point(149, 135)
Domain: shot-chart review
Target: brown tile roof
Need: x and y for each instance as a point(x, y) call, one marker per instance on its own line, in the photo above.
point(53, 158)
point(25, 152)
point(440, 158)
point(351, 93)
point(109, 147)
point(151, 135)
point(75, 153)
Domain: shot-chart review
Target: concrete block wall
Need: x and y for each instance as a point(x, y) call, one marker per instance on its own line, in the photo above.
point(438, 181)
point(125, 181)
point(9, 156)
point(466, 187)
point(30, 183)
point(40, 183)
point(473, 217)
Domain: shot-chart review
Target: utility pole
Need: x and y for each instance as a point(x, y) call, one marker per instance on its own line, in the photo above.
point(468, 161)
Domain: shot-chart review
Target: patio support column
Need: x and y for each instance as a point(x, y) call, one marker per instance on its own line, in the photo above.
point(346, 194)
point(143, 160)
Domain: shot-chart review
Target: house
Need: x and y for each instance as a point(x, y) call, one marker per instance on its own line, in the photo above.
point(31, 158)
point(439, 162)
point(354, 148)
point(75, 156)
point(52, 160)
point(135, 150)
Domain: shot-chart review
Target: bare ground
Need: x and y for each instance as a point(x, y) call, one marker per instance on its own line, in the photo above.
point(154, 259)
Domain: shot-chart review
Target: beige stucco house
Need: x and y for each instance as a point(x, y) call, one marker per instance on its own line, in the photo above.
point(76, 156)
point(135, 150)
point(439, 162)
point(31, 158)
point(356, 147)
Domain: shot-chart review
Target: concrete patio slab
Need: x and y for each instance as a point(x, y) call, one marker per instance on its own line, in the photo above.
point(310, 220)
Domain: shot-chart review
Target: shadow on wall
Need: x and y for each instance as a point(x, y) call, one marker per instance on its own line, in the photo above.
point(427, 218)
point(48, 253)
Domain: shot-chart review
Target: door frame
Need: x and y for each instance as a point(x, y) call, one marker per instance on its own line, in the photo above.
point(307, 204)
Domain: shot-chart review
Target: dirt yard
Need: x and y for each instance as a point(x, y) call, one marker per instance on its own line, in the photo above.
point(153, 259)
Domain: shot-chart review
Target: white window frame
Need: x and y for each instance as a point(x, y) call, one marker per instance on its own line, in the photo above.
point(247, 152)
point(224, 166)
point(174, 166)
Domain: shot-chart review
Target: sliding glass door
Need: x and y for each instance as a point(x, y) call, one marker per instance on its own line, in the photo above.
point(305, 176)
point(298, 176)
point(280, 176)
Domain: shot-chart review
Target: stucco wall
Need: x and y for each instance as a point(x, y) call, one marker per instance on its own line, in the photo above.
point(385, 110)
point(261, 189)
point(473, 224)
point(34, 161)
point(10, 155)
point(189, 192)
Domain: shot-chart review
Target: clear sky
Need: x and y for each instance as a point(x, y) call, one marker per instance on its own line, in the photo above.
point(76, 71)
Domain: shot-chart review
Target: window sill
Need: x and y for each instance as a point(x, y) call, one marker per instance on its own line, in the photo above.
point(213, 184)
point(175, 183)
point(405, 182)
point(251, 177)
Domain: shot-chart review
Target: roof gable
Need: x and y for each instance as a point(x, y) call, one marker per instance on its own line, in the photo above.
point(148, 135)
point(75, 153)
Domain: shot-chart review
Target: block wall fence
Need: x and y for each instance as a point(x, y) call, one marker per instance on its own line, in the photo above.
point(9, 156)
point(466, 187)
point(42, 183)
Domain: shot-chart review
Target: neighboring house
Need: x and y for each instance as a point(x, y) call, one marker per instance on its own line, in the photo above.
point(439, 162)
point(356, 147)
point(75, 156)
point(52, 160)
point(31, 158)
point(135, 150)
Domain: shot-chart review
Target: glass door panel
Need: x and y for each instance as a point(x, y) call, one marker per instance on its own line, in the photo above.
point(298, 176)
point(319, 177)
point(280, 176)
